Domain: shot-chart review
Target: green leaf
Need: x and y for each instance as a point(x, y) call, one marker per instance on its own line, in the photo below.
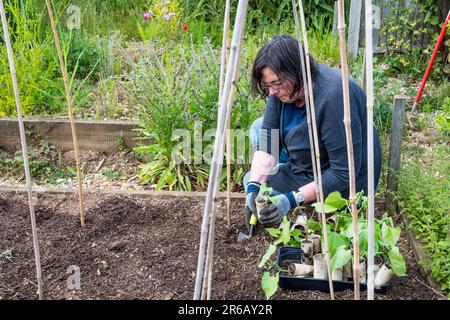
point(363, 240)
point(269, 284)
point(270, 251)
point(341, 257)
point(274, 232)
point(327, 207)
point(314, 225)
point(278, 242)
point(296, 235)
point(397, 262)
point(335, 241)
point(335, 200)
point(285, 232)
point(389, 235)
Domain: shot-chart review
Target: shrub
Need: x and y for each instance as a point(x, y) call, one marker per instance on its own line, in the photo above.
point(176, 89)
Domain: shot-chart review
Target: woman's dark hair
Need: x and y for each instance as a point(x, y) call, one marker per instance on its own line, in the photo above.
point(281, 54)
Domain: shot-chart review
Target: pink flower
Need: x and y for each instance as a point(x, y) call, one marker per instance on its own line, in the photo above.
point(148, 15)
point(169, 15)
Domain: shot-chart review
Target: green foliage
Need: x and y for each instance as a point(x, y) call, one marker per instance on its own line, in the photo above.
point(81, 54)
point(176, 92)
point(443, 119)
point(7, 254)
point(423, 192)
point(283, 235)
point(103, 18)
point(260, 15)
point(270, 251)
point(46, 164)
point(340, 235)
point(413, 29)
point(269, 284)
point(35, 62)
point(123, 148)
point(112, 175)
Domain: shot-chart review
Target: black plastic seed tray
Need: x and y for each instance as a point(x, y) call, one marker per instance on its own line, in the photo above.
point(305, 283)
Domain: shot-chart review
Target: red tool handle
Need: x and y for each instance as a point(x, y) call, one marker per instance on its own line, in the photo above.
point(430, 64)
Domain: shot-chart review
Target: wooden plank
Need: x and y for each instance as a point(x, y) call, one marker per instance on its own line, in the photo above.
point(354, 27)
point(395, 147)
point(136, 193)
point(92, 135)
point(380, 203)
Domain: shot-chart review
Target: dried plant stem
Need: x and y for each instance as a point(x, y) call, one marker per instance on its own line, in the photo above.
point(348, 134)
point(370, 166)
point(217, 158)
point(70, 110)
point(23, 142)
point(309, 94)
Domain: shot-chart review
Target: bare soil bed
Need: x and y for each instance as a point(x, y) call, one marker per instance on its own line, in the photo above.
point(144, 249)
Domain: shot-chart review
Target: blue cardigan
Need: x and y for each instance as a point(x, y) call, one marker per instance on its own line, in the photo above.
point(329, 106)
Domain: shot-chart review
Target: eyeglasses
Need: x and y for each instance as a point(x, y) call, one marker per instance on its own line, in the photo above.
point(274, 85)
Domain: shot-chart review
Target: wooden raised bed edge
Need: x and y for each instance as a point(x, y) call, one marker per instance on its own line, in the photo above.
point(136, 193)
point(95, 135)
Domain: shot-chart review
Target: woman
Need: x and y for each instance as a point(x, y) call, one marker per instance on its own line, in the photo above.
point(282, 156)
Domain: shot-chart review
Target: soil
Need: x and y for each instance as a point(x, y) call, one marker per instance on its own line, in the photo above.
point(144, 249)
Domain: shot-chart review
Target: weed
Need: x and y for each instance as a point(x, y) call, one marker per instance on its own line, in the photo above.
point(7, 254)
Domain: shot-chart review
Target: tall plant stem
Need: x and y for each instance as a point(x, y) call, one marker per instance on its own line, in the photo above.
point(308, 87)
point(370, 165)
point(70, 110)
point(348, 134)
point(23, 143)
point(217, 158)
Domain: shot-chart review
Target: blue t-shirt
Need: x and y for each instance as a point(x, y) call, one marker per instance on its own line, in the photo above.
point(292, 117)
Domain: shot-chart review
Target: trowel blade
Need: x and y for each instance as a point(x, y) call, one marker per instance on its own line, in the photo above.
point(242, 236)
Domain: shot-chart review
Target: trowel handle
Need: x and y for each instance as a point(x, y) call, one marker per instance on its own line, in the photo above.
point(253, 219)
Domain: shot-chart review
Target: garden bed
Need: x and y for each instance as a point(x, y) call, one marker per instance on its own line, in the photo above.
point(144, 249)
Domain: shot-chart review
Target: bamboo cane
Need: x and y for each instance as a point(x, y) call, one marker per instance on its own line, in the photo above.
point(225, 45)
point(70, 110)
point(306, 91)
point(207, 276)
point(227, 120)
point(207, 280)
point(370, 165)
point(217, 158)
point(228, 117)
point(348, 134)
point(23, 142)
point(316, 147)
